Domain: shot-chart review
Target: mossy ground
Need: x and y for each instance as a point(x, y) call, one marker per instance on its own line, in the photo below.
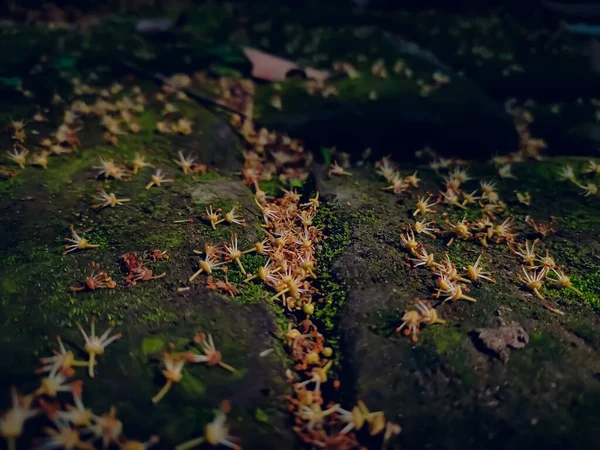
point(39, 205)
point(445, 371)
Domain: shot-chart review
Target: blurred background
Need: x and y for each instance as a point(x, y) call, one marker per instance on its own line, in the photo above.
point(542, 55)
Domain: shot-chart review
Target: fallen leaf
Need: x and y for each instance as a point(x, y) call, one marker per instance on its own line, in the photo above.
point(273, 68)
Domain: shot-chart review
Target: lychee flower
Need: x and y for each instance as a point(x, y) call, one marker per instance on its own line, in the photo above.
point(266, 273)
point(18, 130)
point(528, 255)
point(460, 229)
point(336, 169)
point(207, 265)
point(533, 280)
point(233, 217)
point(158, 179)
point(184, 126)
point(386, 169)
point(489, 191)
point(547, 261)
point(78, 242)
point(474, 272)
point(592, 167)
point(312, 202)
point(12, 422)
point(398, 185)
point(106, 427)
point(423, 206)
point(174, 363)
point(108, 169)
point(139, 162)
point(63, 361)
point(358, 416)
point(505, 171)
point(63, 436)
point(109, 200)
point(215, 433)
point(19, 157)
point(413, 319)
point(233, 253)
point(425, 228)
point(409, 242)
point(53, 384)
point(563, 281)
point(307, 217)
point(524, 198)
point(424, 259)
point(211, 355)
point(185, 162)
point(460, 175)
point(453, 292)
point(95, 345)
point(78, 415)
point(503, 231)
point(314, 415)
point(470, 198)
point(412, 180)
point(451, 197)
point(40, 159)
point(213, 216)
point(567, 173)
point(589, 189)
point(98, 279)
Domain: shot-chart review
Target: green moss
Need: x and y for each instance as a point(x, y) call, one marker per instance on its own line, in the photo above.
point(252, 262)
point(192, 385)
point(164, 240)
point(210, 175)
point(271, 187)
point(332, 290)
point(585, 331)
point(445, 339)
point(261, 415)
point(583, 270)
point(448, 343)
point(460, 252)
point(545, 347)
point(384, 322)
point(152, 345)
point(251, 294)
point(157, 315)
point(8, 285)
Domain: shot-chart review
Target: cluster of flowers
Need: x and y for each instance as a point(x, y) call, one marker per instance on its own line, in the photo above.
point(134, 265)
point(452, 285)
point(536, 269)
point(73, 426)
point(589, 186)
point(333, 426)
point(290, 270)
point(113, 115)
point(173, 122)
point(70, 426)
point(109, 170)
point(118, 113)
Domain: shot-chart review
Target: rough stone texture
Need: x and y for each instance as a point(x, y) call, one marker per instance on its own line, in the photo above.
point(444, 384)
point(500, 340)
